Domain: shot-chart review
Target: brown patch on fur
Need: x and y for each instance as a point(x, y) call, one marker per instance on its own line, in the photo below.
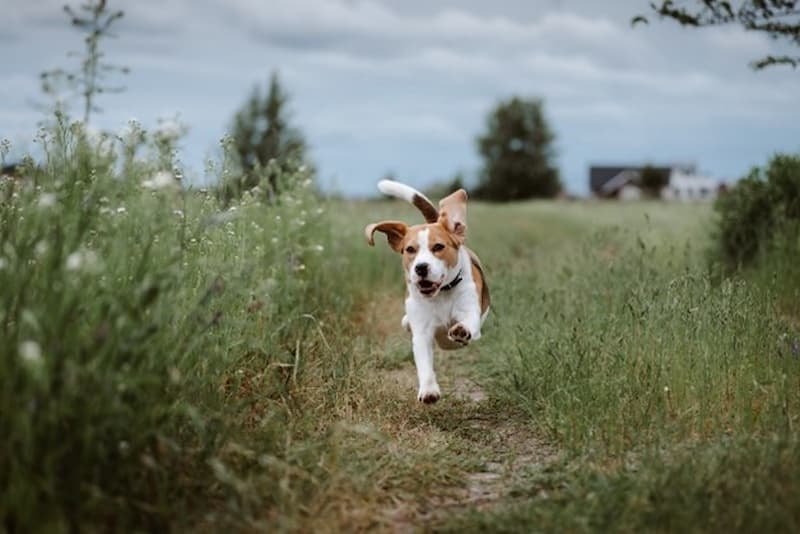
point(480, 281)
point(428, 210)
point(395, 233)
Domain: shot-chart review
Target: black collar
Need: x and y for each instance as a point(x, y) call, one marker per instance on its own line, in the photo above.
point(454, 283)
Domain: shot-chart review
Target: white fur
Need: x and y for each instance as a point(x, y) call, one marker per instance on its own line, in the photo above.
point(398, 190)
point(429, 317)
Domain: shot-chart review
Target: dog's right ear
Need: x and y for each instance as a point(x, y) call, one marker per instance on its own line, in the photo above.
point(395, 232)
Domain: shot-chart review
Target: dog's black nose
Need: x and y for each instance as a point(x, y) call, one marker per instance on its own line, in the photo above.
point(421, 269)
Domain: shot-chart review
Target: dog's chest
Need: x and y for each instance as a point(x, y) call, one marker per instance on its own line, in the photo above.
point(439, 311)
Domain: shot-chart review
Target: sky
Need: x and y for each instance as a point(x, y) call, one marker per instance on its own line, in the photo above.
point(404, 86)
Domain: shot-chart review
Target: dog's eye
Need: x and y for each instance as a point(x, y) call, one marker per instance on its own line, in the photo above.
point(437, 247)
point(410, 250)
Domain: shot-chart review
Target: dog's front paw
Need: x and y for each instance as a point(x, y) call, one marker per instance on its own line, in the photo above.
point(429, 394)
point(458, 333)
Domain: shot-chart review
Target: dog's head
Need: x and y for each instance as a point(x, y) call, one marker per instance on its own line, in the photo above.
point(430, 251)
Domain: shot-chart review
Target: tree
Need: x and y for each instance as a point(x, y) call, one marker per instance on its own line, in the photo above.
point(778, 19)
point(653, 180)
point(87, 81)
point(263, 137)
point(518, 153)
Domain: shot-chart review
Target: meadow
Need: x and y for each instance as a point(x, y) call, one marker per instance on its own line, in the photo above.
point(172, 361)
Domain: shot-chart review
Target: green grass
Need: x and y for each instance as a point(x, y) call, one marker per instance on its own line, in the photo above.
point(170, 362)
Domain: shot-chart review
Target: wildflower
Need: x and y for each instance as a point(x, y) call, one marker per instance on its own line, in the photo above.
point(318, 248)
point(83, 260)
point(47, 200)
point(174, 375)
point(104, 210)
point(666, 389)
point(122, 210)
point(170, 129)
point(160, 180)
point(274, 240)
point(30, 352)
point(40, 249)
point(178, 213)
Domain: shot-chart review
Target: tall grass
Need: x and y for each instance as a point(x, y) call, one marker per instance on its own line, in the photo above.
point(673, 393)
point(160, 355)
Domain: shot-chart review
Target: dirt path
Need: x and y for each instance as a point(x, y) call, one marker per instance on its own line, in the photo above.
point(490, 451)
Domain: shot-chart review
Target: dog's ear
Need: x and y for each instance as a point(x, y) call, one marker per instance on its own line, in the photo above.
point(395, 232)
point(453, 213)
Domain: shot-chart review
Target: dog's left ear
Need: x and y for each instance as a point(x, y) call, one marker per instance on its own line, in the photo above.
point(453, 213)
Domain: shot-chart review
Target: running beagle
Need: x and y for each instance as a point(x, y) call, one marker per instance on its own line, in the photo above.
point(448, 298)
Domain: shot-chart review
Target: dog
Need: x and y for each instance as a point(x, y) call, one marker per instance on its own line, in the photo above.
point(447, 296)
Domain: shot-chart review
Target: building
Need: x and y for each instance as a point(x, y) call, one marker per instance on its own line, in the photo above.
point(671, 183)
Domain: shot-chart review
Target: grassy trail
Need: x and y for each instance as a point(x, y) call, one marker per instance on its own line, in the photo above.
point(474, 449)
point(481, 448)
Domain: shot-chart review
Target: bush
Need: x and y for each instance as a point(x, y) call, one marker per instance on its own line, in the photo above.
point(762, 210)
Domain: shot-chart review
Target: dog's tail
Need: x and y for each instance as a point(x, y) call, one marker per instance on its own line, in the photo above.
point(411, 195)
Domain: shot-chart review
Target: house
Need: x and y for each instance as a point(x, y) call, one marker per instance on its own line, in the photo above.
point(668, 183)
point(683, 186)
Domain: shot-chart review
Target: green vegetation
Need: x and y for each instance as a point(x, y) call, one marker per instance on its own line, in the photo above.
point(760, 217)
point(168, 361)
point(87, 82)
point(265, 145)
point(518, 153)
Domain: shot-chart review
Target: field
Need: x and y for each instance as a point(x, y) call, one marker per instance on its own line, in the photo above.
point(170, 362)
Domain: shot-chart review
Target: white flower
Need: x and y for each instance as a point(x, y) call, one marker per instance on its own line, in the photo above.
point(178, 213)
point(122, 210)
point(170, 128)
point(318, 248)
point(40, 249)
point(30, 352)
point(47, 200)
point(83, 260)
point(274, 240)
point(160, 180)
point(74, 261)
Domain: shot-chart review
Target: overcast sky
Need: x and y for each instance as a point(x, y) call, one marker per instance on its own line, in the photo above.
point(405, 85)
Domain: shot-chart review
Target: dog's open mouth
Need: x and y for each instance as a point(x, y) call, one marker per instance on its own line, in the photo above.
point(427, 287)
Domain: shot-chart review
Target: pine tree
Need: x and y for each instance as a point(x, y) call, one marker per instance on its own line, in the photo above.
point(518, 153)
point(262, 134)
